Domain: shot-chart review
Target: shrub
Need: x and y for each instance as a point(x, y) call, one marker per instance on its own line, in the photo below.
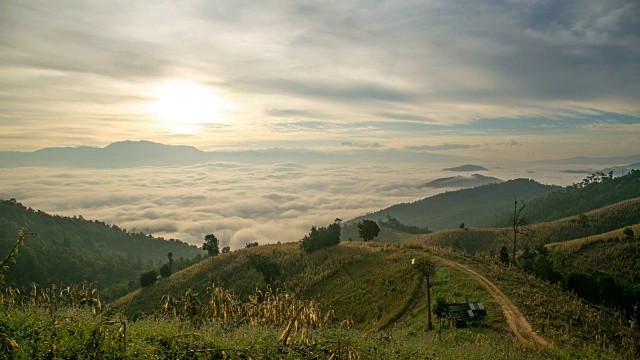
point(268, 267)
point(148, 278)
point(440, 307)
point(321, 238)
point(165, 270)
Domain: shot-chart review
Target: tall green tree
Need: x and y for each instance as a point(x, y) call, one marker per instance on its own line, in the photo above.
point(211, 245)
point(170, 257)
point(368, 229)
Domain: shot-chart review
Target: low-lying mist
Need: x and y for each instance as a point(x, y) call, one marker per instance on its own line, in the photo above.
point(238, 203)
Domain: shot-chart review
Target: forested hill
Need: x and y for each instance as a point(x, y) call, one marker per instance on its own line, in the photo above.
point(482, 206)
point(594, 192)
point(492, 205)
point(72, 249)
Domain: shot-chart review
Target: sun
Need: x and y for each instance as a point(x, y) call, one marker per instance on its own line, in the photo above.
point(184, 107)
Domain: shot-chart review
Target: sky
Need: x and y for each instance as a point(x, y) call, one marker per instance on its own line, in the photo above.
point(499, 79)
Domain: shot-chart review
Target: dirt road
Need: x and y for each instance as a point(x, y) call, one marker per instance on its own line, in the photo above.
point(518, 325)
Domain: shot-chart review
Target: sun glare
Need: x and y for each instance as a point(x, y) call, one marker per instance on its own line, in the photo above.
point(185, 107)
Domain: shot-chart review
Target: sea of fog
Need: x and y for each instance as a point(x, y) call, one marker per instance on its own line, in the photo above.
point(238, 203)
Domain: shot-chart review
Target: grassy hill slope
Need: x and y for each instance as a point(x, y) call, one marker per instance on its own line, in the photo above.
point(560, 316)
point(601, 265)
point(487, 240)
point(577, 244)
point(374, 286)
point(341, 277)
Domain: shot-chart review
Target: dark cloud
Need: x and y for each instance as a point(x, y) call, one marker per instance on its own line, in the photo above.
point(295, 113)
point(405, 116)
point(511, 143)
point(339, 92)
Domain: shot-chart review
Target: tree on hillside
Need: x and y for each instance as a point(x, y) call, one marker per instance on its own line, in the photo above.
point(393, 223)
point(628, 233)
point(165, 270)
point(226, 249)
point(321, 238)
point(250, 245)
point(440, 308)
point(427, 269)
point(211, 245)
point(368, 229)
point(170, 257)
point(517, 223)
point(268, 267)
point(584, 221)
point(504, 255)
point(10, 257)
point(148, 278)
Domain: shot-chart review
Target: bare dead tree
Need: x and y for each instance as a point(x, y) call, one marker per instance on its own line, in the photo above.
point(427, 268)
point(517, 224)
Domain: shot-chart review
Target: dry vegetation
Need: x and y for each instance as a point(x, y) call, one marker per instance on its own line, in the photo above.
point(610, 218)
point(576, 245)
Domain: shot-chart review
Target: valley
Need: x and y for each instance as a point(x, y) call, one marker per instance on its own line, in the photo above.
point(359, 293)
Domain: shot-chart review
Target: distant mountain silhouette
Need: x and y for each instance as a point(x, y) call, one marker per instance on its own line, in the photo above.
point(466, 167)
point(617, 170)
point(606, 161)
point(462, 181)
point(117, 155)
point(126, 154)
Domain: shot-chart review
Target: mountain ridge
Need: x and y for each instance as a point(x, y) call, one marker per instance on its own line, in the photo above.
point(129, 153)
point(476, 207)
point(462, 181)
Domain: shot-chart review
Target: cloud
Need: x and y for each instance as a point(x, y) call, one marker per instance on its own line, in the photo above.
point(306, 125)
point(362, 145)
point(441, 147)
point(238, 204)
point(295, 113)
point(511, 143)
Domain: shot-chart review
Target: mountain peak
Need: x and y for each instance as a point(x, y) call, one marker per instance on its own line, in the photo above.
point(145, 144)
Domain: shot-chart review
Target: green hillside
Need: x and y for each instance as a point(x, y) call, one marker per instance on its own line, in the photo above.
point(490, 206)
point(482, 206)
point(352, 270)
point(594, 192)
point(373, 286)
point(72, 250)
